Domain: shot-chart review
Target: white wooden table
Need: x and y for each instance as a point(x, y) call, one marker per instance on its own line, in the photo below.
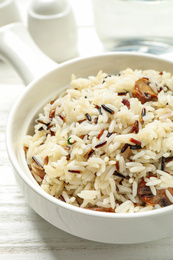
point(24, 234)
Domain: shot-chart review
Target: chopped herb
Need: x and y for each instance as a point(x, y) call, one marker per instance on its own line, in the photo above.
point(68, 141)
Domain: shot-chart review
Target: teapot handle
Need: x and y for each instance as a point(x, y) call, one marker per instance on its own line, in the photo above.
point(18, 48)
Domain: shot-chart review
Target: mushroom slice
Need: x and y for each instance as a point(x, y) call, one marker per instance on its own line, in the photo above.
point(145, 194)
point(37, 168)
point(142, 90)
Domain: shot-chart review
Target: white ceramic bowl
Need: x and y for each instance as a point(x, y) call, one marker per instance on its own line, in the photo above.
point(97, 226)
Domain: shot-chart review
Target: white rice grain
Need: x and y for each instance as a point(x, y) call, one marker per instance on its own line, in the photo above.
point(169, 195)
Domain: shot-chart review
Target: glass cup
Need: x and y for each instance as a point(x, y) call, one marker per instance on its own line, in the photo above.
point(137, 25)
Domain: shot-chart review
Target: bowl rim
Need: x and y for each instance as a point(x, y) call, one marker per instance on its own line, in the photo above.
point(33, 184)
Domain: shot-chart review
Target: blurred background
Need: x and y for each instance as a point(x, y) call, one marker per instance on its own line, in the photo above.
point(111, 25)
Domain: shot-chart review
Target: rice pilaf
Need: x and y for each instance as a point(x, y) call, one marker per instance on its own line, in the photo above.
point(106, 144)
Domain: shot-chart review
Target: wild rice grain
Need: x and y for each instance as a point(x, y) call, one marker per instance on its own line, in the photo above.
point(100, 134)
point(109, 134)
point(122, 93)
point(135, 128)
point(88, 116)
point(74, 171)
point(143, 113)
point(62, 198)
point(101, 144)
point(107, 109)
point(124, 148)
point(126, 103)
point(89, 153)
point(62, 118)
point(99, 109)
point(135, 141)
point(163, 164)
point(135, 147)
point(120, 175)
